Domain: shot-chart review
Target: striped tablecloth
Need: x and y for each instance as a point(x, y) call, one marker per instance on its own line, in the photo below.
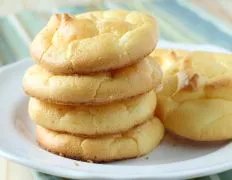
point(179, 21)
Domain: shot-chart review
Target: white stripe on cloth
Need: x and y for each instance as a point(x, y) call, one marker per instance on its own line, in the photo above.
point(21, 30)
point(213, 20)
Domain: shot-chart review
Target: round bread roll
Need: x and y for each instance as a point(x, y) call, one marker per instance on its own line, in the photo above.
point(94, 41)
point(198, 119)
point(111, 118)
point(136, 142)
point(95, 88)
point(196, 97)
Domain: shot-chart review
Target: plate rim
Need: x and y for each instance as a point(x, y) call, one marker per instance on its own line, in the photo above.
point(86, 174)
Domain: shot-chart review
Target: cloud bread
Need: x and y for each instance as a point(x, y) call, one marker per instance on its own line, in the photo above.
point(94, 41)
point(95, 88)
point(196, 98)
point(136, 142)
point(112, 118)
point(165, 56)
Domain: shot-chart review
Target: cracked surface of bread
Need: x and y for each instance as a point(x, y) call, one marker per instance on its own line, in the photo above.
point(94, 41)
point(111, 118)
point(133, 143)
point(196, 97)
point(94, 88)
point(200, 75)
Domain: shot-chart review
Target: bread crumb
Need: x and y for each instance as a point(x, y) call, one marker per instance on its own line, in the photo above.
point(174, 144)
point(76, 164)
point(89, 161)
point(60, 154)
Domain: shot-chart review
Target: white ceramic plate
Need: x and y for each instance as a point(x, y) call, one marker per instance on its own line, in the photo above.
point(171, 160)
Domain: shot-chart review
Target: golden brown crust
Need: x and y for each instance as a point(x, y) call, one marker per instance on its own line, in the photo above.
point(93, 120)
point(136, 142)
point(196, 97)
point(197, 74)
point(199, 119)
point(95, 88)
point(94, 41)
point(162, 55)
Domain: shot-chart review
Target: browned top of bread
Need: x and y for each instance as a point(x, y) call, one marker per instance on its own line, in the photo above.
point(196, 98)
point(197, 74)
point(94, 41)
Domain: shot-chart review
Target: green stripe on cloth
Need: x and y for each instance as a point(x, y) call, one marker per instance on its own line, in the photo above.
point(14, 47)
point(6, 52)
point(226, 175)
point(42, 176)
point(173, 27)
point(74, 10)
point(211, 18)
point(172, 16)
point(203, 178)
point(192, 20)
point(28, 19)
point(177, 23)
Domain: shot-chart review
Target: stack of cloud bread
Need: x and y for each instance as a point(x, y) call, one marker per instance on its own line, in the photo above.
point(93, 89)
point(196, 99)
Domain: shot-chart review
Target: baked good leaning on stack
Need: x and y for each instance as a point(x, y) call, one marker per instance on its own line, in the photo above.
point(93, 89)
point(196, 99)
